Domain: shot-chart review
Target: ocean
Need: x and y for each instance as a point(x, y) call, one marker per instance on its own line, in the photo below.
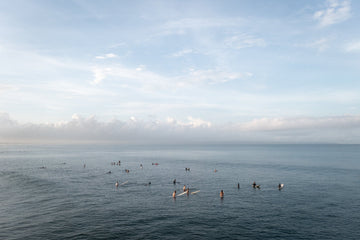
point(67, 192)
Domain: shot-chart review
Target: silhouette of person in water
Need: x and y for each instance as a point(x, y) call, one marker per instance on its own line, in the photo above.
point(221, 194)
point(174, 182)
point(174, 194)
point(238, 186)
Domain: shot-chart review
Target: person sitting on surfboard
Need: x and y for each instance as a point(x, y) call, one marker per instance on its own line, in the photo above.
point(174, 194)
point(221, 194)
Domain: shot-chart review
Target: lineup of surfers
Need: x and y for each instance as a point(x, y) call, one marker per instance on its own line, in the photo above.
point(187, 189)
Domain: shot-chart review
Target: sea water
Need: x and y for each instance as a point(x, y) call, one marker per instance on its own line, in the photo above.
point(66, 192)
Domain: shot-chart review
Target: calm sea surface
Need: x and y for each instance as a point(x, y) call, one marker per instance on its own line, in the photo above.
point(47, 193)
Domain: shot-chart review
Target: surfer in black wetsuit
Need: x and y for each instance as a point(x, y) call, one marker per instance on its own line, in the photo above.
point(254, 184)
point(174, 182)
point(238, 185)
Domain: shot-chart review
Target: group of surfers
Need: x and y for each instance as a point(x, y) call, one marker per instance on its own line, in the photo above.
point(254, 185)
point(187, 189)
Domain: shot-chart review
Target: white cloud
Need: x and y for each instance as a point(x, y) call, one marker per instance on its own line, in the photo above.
point(353, 47)
point(143, 78)
point(320, 44)
point(192, 123)
point(99, 75)
point(211, 76)
point(182, 52)
point(244, 41)
point(340, 129)
point(335, 12)
point(108, 55)
point(199, 23)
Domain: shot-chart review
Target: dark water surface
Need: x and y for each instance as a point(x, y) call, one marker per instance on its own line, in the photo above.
point(64, 200)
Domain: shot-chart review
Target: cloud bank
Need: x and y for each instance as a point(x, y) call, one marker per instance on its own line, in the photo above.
point(341, 129)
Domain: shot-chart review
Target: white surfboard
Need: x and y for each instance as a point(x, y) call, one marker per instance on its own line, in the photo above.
point(181, 194)
point(124, 183)
point(195, 192)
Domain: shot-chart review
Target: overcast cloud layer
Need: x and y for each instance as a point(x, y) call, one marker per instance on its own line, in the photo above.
point(174, 71)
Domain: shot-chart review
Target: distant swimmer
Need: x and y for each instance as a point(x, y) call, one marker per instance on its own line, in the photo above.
point(280, 186)
point(127, 170)
point(221, 194)
point(174, 194)
point(184, 188)
point(254, 184)
point(238, 185)
point(116, 184)
point(187, 191)
point(215, 170)
point(174, 182)
point(109, 172)
point(141, 166)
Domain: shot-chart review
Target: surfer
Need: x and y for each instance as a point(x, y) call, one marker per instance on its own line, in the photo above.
point(174, 194)
point(141, 166)
point(221, 194)
point(116, 184)
point(254, 184)
point(215, 170)
point(238, 185)
point(109, 172)
point(174, 182)
point(184, 188)
point(187, 191)
point(280, 186)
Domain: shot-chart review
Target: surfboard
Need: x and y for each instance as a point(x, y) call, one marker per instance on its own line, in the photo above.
point(195, 192)
point(124, 183)
point(181, 194)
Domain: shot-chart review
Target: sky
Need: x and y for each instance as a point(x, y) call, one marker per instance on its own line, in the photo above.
point(265, 71)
